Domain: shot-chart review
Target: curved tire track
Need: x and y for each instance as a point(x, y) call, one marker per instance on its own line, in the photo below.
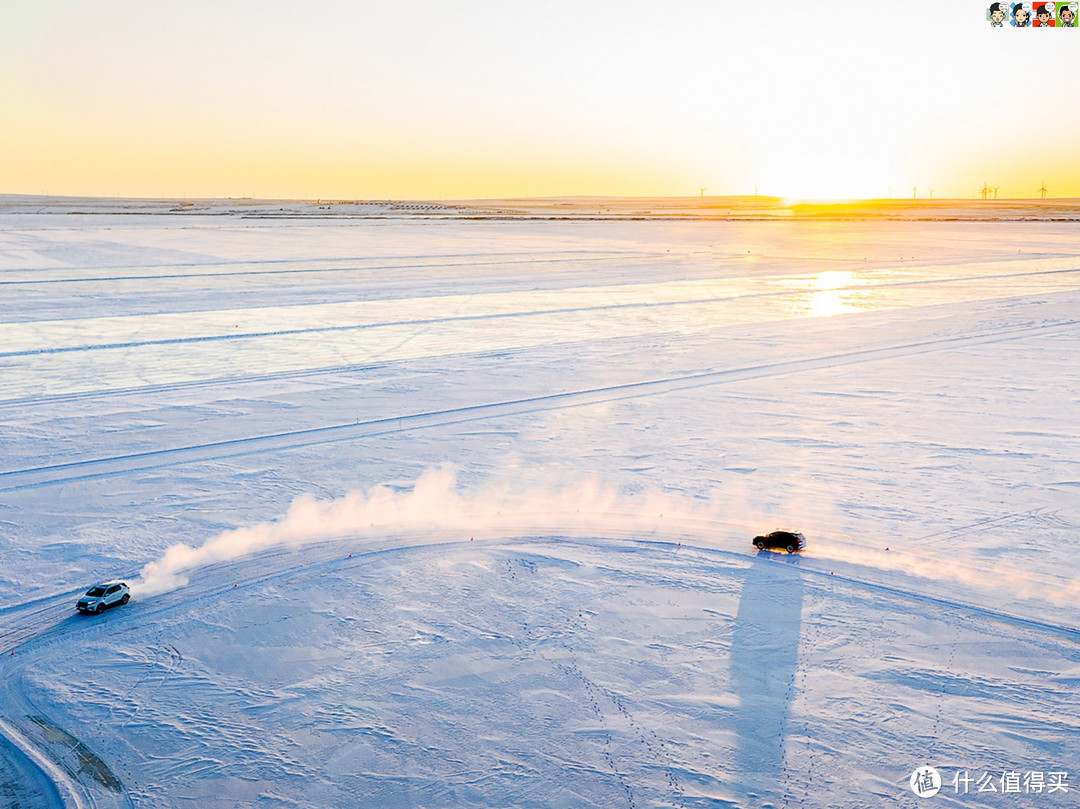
point(41, 613)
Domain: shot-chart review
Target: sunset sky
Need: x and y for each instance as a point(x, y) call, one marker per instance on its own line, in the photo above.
point(415, 99)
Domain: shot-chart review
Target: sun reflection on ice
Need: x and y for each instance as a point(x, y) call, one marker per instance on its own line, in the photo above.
point(825, 294)
point(833, 279)
point(830, 298)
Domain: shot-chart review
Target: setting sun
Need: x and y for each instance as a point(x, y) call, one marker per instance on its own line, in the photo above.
point(806, 174)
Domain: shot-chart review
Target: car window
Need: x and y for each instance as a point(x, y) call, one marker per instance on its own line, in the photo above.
point(112, 589)
point(96, 592)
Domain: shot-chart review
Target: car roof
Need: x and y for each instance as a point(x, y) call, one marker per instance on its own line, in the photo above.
point(109, 583)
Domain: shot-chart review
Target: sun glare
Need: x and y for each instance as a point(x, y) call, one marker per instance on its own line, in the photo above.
point(822, 181)
point(833, 279)
point(817, 168)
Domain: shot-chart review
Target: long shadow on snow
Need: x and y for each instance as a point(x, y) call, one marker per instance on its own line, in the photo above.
point(764, 658)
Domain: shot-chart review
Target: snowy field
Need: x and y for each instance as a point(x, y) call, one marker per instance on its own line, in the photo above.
point(424, 512)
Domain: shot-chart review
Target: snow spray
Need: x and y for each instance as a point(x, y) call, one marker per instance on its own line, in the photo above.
point(437, 511)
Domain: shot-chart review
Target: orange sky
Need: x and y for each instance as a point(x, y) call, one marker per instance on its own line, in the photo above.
point(490, 99)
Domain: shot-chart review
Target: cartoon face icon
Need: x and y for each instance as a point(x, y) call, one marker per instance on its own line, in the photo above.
point(1042, 15)
point(997, 13)
point(1068, 16)
point(1020, 15)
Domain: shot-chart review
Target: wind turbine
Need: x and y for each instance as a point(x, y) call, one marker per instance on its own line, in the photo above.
point(995, 188)
point(703, 190)
point(931, 193)
point(985, 191)
point(1043, 191)
point(914, 192)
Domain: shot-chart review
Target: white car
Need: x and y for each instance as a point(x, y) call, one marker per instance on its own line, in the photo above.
point(102, 596)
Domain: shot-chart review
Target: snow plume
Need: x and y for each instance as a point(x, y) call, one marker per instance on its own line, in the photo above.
point(939, 566)
point(434, 511)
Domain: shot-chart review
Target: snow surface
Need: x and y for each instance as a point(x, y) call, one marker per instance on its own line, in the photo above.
point(458, 513)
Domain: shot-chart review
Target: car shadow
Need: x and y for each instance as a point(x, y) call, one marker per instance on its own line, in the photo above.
point(764, 662)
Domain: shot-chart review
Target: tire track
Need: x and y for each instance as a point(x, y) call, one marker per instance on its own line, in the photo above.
point(171, 387)
point(1042, 516)
point(421, 322)
point(568, 310)
point(164, 661)
point(254, 569)
point(21, 622)
point(18, 479)
point(321, 269)
point(54, 615)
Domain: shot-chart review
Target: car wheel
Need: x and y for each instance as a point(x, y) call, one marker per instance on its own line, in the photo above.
point(760, 545)
point(126, 598)
point(791, 549)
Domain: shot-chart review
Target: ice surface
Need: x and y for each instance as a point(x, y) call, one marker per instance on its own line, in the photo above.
point(905, 393)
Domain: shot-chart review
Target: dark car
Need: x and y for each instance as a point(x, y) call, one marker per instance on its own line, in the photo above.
point(790, 541)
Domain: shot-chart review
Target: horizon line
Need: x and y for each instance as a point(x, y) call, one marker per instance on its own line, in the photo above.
point(780, 199)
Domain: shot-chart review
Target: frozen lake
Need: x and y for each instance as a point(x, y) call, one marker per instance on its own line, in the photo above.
point(568, 611)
